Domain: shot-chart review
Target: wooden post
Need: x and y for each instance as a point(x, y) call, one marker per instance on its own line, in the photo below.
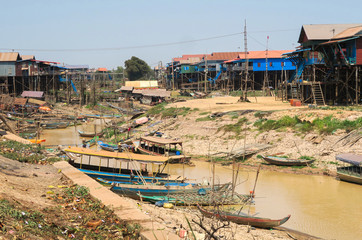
point(357, 85)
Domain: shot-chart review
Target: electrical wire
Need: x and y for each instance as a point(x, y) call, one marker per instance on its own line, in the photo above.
point(143, 46)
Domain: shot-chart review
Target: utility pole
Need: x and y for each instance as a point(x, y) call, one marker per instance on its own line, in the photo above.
point(266, 81)
point(173, 79)
point(206, 74)
point(245, 92)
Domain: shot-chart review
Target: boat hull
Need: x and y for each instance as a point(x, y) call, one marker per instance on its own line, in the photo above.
point(245, 220)
point(287, 162)
point(346, 174)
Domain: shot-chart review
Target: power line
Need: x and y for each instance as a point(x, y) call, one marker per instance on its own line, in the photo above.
point(139, 46)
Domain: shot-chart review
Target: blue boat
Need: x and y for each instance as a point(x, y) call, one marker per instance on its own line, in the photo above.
point(107, 165)
point(108, 147)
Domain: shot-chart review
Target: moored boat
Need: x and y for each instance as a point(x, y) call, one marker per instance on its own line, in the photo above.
point(107, 146)
point(280, 161)
point(120, 166)
point(244, 219)
point(158, 146)
point(90, 134)
point(353, 172)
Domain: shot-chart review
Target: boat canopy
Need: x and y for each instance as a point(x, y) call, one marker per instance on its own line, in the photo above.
point(350, 158)
point(159, 140)
point(122, 156)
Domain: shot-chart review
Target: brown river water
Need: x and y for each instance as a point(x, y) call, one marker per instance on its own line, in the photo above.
point(319, 205)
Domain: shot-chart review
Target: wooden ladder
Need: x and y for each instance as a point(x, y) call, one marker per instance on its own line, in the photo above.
point(318, 97)
point(294, 91)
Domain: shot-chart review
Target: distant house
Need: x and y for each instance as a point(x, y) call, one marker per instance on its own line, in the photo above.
point(8, 61)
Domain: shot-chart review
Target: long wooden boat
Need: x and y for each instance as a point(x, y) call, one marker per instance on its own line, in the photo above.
point(280, 161)
point(208, 199)
point(131, 190)
point(158, 146)
point(108, 165)
point(54, 125)
point(244, 219)
point(90, 134)
point(353, 172)
point(108, 147)
point(130, 178)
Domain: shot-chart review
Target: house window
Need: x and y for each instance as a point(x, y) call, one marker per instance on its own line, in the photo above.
point(259, 65)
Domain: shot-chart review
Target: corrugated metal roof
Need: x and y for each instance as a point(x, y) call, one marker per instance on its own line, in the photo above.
point(324, 31)
point(350, 32)
point(102, 70)
point(126, 88)
point(350, 158)
point(223, 55)
point(9, 56)
point(137, 91)
point(156, 93)
point(27, 57)
point(260, 55)
point(34, 94)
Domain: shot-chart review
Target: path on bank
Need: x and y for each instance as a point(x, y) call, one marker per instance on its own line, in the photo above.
point(123, 208)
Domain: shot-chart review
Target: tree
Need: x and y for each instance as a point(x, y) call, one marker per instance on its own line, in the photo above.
point(120, 70)
point(137, 68)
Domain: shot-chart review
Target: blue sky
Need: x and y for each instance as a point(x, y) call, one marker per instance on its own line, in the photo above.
point(106, 33)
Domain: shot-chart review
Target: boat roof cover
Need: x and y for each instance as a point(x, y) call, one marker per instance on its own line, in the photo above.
point(124, 156)
point(350, 158)
point(160, 140)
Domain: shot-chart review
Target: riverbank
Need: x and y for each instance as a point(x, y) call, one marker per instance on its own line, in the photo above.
point(219, 127)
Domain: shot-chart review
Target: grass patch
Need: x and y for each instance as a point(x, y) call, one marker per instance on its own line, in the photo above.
point(326, 125)
point(236, 128)
point(204, 113)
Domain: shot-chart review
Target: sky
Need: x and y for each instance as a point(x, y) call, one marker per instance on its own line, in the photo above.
point(106, 33)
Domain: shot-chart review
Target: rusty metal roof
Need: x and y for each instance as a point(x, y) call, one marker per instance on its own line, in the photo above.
point(33, 94)
point(156, 93)
point(223, 55)
point(350, 32)
point(27, 57)
point(126, 88)
point(324, 31)
point(9, 56)
point(20, 101)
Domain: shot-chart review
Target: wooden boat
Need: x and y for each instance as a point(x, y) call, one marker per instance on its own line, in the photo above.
point(353, 171)
point(54, 125)
point(111, 165)
point(90, 134)
point(131, 190)
point(210, 198)
point(280, 161)
point(158, 146)
point(244, 219)
point(108, 147)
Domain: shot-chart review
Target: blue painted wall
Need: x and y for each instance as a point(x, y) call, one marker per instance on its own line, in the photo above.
point(274, 64)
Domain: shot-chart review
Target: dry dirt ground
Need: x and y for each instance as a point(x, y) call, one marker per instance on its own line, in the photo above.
point(204, 138)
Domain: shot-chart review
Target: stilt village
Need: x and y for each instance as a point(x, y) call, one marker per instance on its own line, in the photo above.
point(220, 145)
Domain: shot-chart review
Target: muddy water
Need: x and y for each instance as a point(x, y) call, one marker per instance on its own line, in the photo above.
point(319, 205)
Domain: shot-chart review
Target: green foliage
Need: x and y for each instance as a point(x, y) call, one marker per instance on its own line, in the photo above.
point(167, 112)
point(236, 128)
point(204, 113)
point(326, 125)
point(137, 68)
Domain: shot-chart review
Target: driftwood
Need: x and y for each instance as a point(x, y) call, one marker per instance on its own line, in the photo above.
point(249, 149)
point(351, 138)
